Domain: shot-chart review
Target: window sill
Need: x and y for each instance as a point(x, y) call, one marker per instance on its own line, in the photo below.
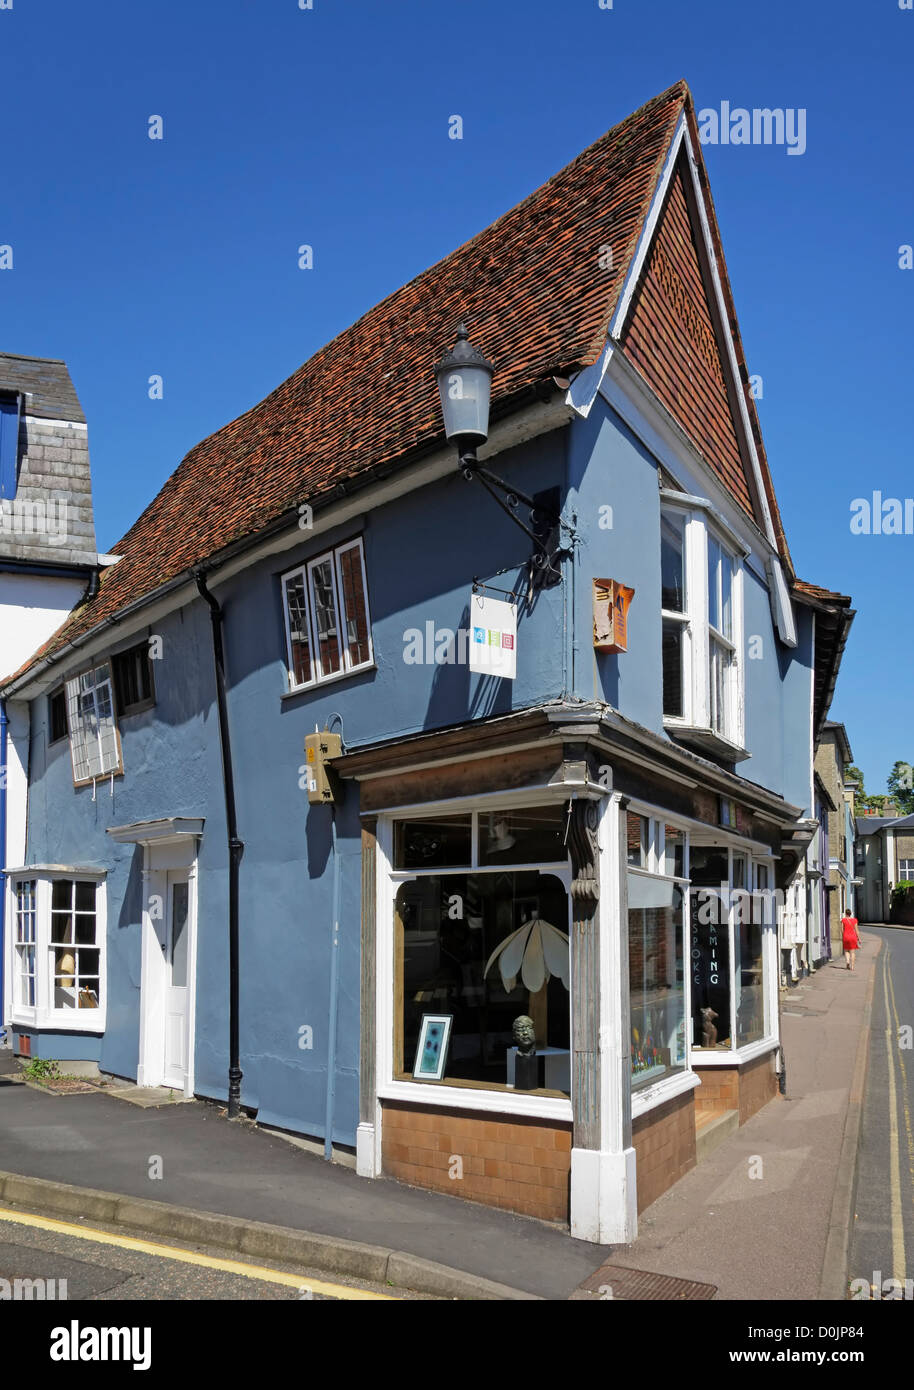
point(464, 1098)
point(98, 777)
point(662, 1091)
point(327, 680)
point(64, 1021)
point(707, 739)
point(733, 1057)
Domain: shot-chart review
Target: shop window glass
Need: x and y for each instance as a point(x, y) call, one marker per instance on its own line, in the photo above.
point(532, 836)
point(709, 950)
point(748, 974)
point(434, 843)
point(656, 978)
point(447, 928)
point(637, 828)
point(674, 852)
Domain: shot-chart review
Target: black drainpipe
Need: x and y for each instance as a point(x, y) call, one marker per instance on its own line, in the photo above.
point(235, 848)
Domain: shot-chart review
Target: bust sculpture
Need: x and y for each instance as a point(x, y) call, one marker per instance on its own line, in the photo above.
point(524, 1035)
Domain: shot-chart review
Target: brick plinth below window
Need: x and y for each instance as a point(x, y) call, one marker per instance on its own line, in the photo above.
point(744, 1089)
point(664, 1144)
point(522, 1165)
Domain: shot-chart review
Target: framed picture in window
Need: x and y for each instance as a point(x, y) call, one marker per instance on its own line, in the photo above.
point(431, 1050)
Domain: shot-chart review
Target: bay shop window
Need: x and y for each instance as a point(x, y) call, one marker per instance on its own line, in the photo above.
point(58, 948)
point(657, 893)
point(732, 951)
point(481, 920)
point(702, 949)
point(702, 622)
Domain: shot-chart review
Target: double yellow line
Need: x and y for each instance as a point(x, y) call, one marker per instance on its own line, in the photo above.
point(301, 1282)
point(892, 1039)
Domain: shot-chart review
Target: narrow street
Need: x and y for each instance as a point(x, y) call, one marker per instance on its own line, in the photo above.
point(883, 1234)
point(49, 1260)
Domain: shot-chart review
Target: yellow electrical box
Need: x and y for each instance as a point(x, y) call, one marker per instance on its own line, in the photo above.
point(322, 785)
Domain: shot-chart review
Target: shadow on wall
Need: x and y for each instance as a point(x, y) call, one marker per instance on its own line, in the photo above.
point(131, 910)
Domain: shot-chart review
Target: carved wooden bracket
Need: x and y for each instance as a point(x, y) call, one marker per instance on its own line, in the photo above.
point(582, 844)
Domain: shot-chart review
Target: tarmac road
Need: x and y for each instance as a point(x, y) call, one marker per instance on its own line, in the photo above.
point(43, 1259)
point(882, 1244)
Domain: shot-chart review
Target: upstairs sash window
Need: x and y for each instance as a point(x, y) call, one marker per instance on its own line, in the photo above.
point(95, 745)
point(701, 622)
point(328, 626)
point(675, 614)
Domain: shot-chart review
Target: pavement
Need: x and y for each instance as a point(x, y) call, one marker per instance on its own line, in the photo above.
point(766, 1215)
point(883, 1234)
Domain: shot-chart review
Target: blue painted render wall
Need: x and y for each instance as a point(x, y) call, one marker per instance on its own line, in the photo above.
point(421, 554)
point(609, 468)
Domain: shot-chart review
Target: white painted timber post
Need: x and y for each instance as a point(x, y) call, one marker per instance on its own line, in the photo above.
point(603, 1179)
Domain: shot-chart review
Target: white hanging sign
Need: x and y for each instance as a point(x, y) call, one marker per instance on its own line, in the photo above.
point(493, 637)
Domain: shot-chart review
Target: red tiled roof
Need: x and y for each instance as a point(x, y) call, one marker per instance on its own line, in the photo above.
point(814, 591)
point(526, 287)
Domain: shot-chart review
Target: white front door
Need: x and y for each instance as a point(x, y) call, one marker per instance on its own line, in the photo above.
point(177, 959)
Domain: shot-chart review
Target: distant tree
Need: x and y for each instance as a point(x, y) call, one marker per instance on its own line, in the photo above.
point(900, 785)
point(862, 802)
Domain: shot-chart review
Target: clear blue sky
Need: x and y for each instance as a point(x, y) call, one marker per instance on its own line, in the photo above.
point(329, 126)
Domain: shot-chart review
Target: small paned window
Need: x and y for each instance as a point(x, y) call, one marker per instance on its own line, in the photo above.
point(58, 951)
point(95, 745)
point(328, 625)
point(57, 716)
point(133, 679)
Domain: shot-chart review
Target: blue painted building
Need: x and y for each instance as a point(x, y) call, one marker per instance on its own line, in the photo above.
point(592, 828)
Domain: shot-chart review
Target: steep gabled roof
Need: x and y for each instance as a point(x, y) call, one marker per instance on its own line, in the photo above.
point(536, 303)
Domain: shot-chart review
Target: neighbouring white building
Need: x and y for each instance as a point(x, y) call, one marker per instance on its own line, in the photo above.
point(48, 557)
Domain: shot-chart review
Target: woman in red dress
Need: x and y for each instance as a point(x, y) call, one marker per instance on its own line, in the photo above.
point(850, 939)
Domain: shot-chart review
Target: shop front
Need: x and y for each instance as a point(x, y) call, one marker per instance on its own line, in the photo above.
point(564, 969)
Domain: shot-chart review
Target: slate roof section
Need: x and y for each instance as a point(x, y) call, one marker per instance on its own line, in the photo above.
point(46, 384)
point(868, 825)
point(50, 520)
point(536, 303)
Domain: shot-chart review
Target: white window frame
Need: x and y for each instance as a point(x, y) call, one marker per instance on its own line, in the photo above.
point(685, 624)
point(305, 572)
point(388, 880)
point(79, 735)
point(770, 971)
point(904, 877)
point(698, 635)
point(646, 1096)
point(44, 1014)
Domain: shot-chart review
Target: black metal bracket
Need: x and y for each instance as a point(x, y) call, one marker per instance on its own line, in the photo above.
point(542, 571)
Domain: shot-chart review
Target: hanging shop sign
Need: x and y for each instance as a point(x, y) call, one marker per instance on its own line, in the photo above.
point(493, 637)
point(611, 602)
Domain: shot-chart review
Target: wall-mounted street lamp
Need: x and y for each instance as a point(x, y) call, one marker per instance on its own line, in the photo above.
point(465, 384)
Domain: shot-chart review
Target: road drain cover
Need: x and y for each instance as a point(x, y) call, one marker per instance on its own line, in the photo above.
point(628, 1285)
